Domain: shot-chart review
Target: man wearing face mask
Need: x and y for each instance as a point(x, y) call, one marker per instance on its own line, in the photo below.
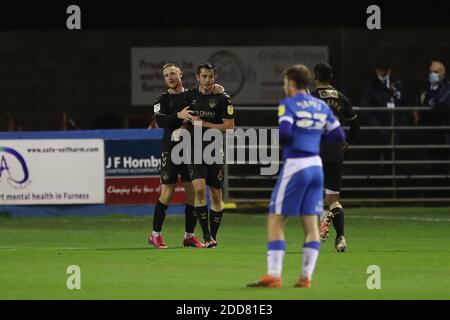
point(435, 96)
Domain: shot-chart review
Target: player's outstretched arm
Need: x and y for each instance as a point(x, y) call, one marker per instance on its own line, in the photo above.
point(163, 118)
point(165, 121)
point(172, 120)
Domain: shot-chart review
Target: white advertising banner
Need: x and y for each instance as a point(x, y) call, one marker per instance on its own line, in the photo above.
point(251, 75)
point(69, 171)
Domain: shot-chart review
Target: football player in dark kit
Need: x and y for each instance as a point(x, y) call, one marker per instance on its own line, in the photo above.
point(171, 110)
point(211, 111)
point(332, 154)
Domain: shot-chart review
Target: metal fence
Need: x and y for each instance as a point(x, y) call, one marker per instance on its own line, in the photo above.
point(393, 160)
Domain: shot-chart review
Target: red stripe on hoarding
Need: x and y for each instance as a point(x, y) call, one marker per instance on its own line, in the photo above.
point(138, 191)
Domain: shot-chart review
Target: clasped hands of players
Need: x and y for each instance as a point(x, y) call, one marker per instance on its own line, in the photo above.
point(187, 116)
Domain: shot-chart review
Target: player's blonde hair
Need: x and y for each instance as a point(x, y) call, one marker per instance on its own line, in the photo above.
point(171, 64)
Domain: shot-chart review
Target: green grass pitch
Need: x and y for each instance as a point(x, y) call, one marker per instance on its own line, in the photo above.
point(410, 245)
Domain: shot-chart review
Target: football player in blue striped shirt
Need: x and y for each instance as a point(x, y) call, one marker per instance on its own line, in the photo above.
point(303, 122)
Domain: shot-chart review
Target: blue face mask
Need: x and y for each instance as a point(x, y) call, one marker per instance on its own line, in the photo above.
point(383, 79)
point(433, 78)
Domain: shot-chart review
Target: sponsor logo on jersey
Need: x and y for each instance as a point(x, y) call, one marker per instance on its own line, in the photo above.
point(210, 114)
point(328, 94)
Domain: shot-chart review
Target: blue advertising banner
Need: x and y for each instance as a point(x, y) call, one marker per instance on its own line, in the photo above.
point(125, 158)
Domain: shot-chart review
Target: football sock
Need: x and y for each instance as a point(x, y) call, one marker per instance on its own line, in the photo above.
point(159, 216)
point(202, 216)
point(275, 255)
point(215, 217)
point(338, 221)
point(188, 235)
point(190, 218)
point(310, 255)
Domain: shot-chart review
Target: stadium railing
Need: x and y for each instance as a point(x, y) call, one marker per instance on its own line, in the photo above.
point(392, 160)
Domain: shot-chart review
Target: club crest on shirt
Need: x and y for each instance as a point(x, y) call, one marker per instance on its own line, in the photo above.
point(156, 108)
point(212, 103)
point(281, 110)
point(230, 110)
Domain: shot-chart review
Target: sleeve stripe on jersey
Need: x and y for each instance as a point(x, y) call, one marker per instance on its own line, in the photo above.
point(286, 118)
point(352, 118)
point(332, 125)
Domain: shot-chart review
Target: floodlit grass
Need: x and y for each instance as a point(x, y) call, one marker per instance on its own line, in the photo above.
point(410, 245)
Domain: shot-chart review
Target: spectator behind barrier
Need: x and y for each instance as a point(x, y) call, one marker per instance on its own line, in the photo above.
point(436, 97)
point(382, 91)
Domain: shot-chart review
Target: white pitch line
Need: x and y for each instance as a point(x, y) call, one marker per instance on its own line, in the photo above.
point(42, 248)
point(264, 216)
point(403, 218)
point(369, 217)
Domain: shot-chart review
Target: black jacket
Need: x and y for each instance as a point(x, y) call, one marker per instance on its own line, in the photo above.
point(378, 94)
point(438, 101)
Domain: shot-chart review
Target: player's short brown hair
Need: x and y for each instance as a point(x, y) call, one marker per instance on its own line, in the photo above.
point(300, 74)
point(207, 66)
point(171, 64)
